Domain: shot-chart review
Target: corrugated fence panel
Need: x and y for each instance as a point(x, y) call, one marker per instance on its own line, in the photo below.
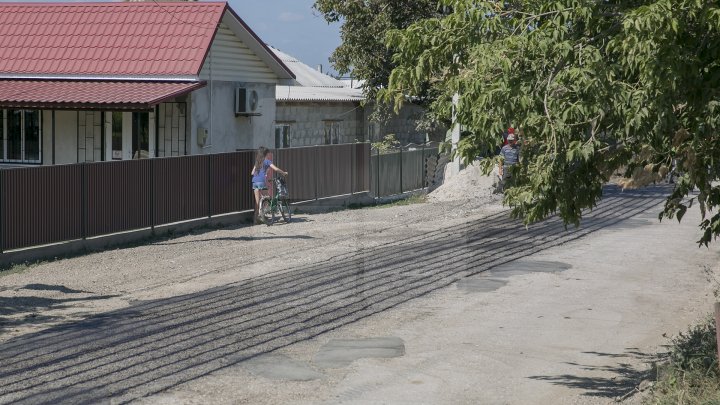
point(300, 163)
point(40, 205)
point(334, 169)
point(389, 178)
point(180, 188)
point(118, 196)
point(230, 182)
point(362, 167)
point(45, 204)
point(412, 171)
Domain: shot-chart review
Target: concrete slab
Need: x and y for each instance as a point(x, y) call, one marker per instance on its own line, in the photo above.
point(339, 353)
point(525, 266)
point(480, 284)
point(281, 367)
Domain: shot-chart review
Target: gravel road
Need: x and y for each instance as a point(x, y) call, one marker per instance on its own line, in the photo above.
point(379, 305)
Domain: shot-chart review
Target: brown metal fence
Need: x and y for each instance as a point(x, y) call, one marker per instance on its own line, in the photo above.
point(180, 188)
point(117, 196)
point(325, 171)
point(401, 169)
point(40, 205)
point(230, 182)
point(53, 204)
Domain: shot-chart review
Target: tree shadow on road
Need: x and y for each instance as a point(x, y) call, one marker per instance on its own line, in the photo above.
point(156, 345)
point(237, 239)
point(28, 309)
point(613, 381)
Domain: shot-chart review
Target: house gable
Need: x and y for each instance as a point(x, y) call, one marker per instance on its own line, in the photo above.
point(237, 55)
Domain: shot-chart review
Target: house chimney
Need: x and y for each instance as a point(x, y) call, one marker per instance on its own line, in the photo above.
point(319, 68)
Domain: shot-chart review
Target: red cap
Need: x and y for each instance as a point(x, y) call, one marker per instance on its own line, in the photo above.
point(511, 130)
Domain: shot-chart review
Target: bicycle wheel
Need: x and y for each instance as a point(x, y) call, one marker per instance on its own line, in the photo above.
point(284, 209)
point(266, 214)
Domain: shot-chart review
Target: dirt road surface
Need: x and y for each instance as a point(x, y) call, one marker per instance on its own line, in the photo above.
point(433, 303)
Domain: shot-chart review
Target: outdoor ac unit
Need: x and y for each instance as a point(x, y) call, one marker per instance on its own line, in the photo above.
point(246, 101)
point(202, 136)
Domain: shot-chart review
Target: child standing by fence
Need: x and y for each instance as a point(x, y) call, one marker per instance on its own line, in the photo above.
point(259, 171)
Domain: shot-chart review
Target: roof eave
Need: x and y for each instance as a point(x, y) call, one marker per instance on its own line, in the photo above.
point(74, 106)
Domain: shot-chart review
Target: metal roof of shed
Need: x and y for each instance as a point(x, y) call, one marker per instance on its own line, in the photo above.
point(299, 93)
point(306, 75)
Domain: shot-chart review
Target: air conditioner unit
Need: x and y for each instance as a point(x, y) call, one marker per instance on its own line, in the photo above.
point(246, 101)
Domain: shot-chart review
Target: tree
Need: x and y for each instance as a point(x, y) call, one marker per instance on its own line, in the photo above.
point(595, 86)
point(364, 25)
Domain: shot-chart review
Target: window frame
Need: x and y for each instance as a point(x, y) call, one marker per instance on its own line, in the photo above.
point(4, 134)
point(331, 132)
point(285, 135)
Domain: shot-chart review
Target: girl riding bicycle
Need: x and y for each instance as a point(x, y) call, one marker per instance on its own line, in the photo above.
point(259, 171)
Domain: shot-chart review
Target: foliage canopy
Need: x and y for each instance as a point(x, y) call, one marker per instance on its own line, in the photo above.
point(595, 86)
point(364, 26)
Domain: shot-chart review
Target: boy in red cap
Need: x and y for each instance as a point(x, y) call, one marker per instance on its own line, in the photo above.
point(509, 131)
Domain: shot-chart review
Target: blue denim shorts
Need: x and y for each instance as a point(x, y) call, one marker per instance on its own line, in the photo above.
point(259, 186)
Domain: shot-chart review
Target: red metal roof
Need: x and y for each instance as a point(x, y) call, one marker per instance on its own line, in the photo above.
point(89, 94)
point(142, 39)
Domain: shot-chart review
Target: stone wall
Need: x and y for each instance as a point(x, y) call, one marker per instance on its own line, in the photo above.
point(308, 120)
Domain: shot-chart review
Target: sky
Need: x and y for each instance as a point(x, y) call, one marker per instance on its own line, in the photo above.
point(293, 27)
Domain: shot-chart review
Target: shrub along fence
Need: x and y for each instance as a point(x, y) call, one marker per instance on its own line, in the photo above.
point(401, 169)
point(43, 205)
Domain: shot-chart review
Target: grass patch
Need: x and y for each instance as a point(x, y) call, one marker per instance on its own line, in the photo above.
point(18, 268)
point(690, 375)
point(413, 199)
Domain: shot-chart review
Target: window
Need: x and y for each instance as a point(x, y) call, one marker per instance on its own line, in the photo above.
point(371, 132)
point(332, 132)
point(282, 136)
point(117, 118)
point(20, 139)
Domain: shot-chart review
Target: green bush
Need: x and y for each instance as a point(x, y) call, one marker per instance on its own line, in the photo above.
point(690, 375)
point(696, 349)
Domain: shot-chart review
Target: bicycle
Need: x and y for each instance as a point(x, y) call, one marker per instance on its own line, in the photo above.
point(270, 206)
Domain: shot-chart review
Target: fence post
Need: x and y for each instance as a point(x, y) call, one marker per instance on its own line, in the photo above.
point(317, 149)
point(423, 168)
point(717, 324)
point(353, 169)
point(209, 186)
point(2, 217)
point(377, 172)
point(152, 195)
point(401, 165)
point(83, 199)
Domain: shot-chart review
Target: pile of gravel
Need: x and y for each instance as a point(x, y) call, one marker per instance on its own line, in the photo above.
point(469, 184)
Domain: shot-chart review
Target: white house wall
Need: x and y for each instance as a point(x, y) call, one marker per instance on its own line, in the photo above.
point(65, 137)
point(230, 59)
point(228, 133)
